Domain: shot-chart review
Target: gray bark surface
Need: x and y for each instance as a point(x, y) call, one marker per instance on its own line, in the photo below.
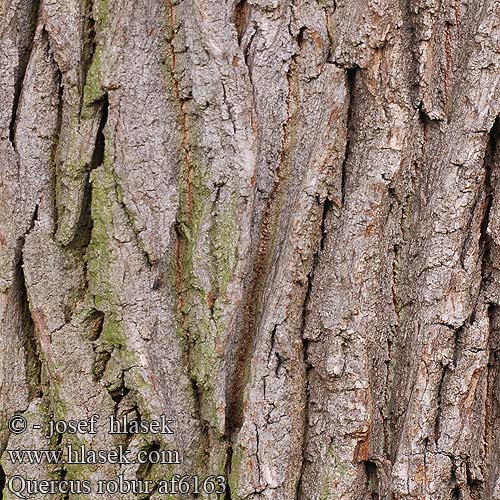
point(276, 222)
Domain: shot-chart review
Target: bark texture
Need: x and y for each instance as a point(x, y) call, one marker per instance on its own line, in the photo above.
point(275, 221)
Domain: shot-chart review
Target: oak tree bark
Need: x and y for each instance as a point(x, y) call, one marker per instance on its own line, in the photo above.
point(276, 222)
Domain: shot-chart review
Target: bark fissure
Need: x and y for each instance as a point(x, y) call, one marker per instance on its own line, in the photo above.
point(2, 481)
point(83, 231)
point(21, 72)
point(489, 165)
point(239, 373)
point(351, 74)
point(31, 345)
point(489, 269)
point(100, 140)
point(439, 401)
point(371, 472)
point(54, 152)
point(492, 403)
point(144, 470)
point(241, 16)
point(227, 469)
point(327, 205)
point(102, 353)
point(183, 114)
point(63, 474)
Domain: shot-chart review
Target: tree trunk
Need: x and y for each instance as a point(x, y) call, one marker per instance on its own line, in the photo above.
point(276, 222)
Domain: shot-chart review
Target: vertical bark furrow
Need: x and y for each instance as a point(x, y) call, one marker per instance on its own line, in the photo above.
point(351, 79)
point(276, 390)
point(253, 301)
point(31, 347)
point(265, 239)
point(353, 329)
point(461, 357)
point(26, 45)
point(491, 429)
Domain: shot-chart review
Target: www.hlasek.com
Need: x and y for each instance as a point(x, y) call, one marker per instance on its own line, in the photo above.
point(69, 455)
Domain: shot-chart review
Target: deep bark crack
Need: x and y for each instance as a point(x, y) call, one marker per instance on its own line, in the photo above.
point(439, 401)
point(489, 165)
point(23, 64)
point(83, 230)
point(237, 377)
point(227, 470)
point(351, 75)
point(2, 482)
point(305, 343)
point(31, 347)
point(241, 16)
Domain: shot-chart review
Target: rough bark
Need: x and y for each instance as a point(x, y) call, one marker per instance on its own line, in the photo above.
point(274, 221)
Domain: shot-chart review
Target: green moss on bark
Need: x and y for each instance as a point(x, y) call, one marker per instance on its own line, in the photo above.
point(93, 90)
